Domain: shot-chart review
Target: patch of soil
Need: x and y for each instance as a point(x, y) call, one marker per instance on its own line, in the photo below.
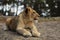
point(49, 31)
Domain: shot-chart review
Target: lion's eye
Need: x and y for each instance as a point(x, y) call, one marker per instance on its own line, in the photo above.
point(33, 12)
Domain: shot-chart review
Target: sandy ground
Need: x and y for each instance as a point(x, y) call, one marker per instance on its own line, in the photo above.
point(49, 31)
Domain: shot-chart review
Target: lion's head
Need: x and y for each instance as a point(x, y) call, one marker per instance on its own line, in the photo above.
point(31, 13)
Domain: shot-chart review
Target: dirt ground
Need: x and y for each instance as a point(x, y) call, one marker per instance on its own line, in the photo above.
point(49, 31)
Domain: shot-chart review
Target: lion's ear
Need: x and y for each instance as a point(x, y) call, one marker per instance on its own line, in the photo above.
point(27, 10)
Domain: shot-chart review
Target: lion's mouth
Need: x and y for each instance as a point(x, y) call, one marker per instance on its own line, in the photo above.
point(36, 18)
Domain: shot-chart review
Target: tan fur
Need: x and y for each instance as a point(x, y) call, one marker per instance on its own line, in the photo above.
point(23, 22)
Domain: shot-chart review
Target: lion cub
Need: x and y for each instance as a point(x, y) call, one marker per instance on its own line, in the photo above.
point(24, 21)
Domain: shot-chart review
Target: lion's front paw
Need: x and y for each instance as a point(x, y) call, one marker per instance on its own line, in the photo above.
point(27, 34)
point(36, 34)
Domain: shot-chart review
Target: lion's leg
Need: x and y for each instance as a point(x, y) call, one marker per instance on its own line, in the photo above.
point(24, 32)
point(34, 31)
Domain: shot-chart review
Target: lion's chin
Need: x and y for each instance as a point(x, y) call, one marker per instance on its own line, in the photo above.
point(36, 21)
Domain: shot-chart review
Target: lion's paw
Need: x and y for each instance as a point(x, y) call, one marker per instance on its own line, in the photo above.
point(27, 34)
point(36, 34)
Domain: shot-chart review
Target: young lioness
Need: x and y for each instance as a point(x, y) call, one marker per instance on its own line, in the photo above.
point(23, 22)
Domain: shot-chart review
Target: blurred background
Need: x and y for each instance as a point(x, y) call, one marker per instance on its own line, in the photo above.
point(46, 8)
